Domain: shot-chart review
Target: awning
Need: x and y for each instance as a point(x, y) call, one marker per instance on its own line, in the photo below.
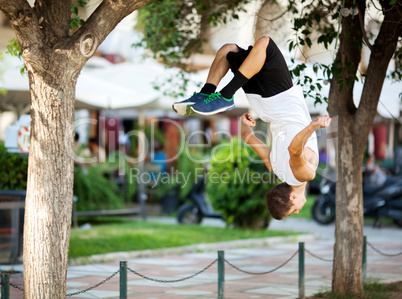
point(16, 96)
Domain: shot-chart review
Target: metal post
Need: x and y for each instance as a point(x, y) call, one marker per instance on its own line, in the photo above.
point(221, 273)
point(123, 280)
point(142, 196)
point(5, 286)
point(301, 270)
point(364, 258)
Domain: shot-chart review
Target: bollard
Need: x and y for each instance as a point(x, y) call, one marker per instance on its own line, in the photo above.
point(5, 286)
point(123, 280)
point(301, 270)
point(221, 273)
point(364, 258)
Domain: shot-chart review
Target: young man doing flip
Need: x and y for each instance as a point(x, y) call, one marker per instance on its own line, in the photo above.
point(263, 74)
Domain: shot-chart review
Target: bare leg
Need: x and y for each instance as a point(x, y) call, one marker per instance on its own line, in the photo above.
point(256, 59)
point(220, 65)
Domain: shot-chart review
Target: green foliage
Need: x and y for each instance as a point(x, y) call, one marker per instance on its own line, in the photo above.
point(172, 28)
point(372, 290)
point(190, 164)
point(237, 183)
point(13, 170)
point(76, 21)
point(152, 135)
point(189, 169)
point(14, 49)
point(95, 188)
point(94, 191)
point(2, 69)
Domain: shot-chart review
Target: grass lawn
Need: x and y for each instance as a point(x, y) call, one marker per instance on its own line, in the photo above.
point(138, 235)
point(372, 290)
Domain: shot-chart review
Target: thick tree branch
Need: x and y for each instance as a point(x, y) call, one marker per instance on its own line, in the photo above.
point(345, 67)
point(361, 5)
point(54, 17)
point(13, 8)
point(25, 23)
point(383, 50)
point(103, 20)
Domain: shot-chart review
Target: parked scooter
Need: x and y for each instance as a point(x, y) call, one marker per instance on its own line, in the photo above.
point(196, 206)
point(383, 201)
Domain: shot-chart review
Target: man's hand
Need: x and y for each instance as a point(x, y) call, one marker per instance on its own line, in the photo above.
point(247, 120)
point(321, 122)
point(246, 124)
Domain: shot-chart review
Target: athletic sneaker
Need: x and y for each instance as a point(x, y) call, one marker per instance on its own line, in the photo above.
point(215, 103)
point(184, 107)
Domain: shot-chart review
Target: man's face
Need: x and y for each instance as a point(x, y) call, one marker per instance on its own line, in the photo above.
point(298, 203)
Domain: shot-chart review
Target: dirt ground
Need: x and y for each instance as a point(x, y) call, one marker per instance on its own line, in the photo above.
point(388, 291)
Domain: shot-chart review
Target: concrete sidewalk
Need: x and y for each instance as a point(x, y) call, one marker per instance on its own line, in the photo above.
point(255, 257)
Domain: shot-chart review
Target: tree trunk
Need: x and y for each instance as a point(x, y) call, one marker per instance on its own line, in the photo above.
point(50, 185)
point(354, 125)
point(53, 59)
point(347, 267)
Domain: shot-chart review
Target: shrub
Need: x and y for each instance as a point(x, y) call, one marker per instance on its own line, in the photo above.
point(13, 170)
point(237, 183)
point(95, 188)
point(190, 166)
point(174, 186)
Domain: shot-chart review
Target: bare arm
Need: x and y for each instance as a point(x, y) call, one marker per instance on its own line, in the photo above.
point(303, 163)
point(247, 133)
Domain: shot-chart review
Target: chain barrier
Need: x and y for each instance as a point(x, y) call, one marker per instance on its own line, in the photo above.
point(171, 281)
point(206, 268)
point(17, 287)
point(317, 257)
point(80, 292)
point(262, 273)
point(385, 254)
point(96, 285)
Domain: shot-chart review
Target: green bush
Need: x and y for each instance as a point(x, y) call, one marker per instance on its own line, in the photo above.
point(13, 170)
point(181, 178)
point(190, 165)
point(95, 188)
point(237, 183)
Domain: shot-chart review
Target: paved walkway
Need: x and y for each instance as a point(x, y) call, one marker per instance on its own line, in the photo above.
point(252, 256)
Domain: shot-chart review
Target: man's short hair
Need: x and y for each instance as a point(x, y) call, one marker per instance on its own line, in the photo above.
point(278, 201)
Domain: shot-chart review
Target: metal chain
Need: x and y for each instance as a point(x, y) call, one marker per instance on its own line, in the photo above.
point(262, 273)
point(317, 257)
point(96, 285)
point(207, 267)
point(80, 292)
point(17, 287)
point(385, 254)
point(170, 281)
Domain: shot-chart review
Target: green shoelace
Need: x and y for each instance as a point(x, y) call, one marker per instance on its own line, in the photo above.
point(212, 96)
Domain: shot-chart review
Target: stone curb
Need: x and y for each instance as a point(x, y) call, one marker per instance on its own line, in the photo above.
point(126, 255)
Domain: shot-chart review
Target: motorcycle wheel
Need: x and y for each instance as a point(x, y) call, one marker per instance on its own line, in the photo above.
point(189, 214)
point(398, 222)
point(323, 211)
